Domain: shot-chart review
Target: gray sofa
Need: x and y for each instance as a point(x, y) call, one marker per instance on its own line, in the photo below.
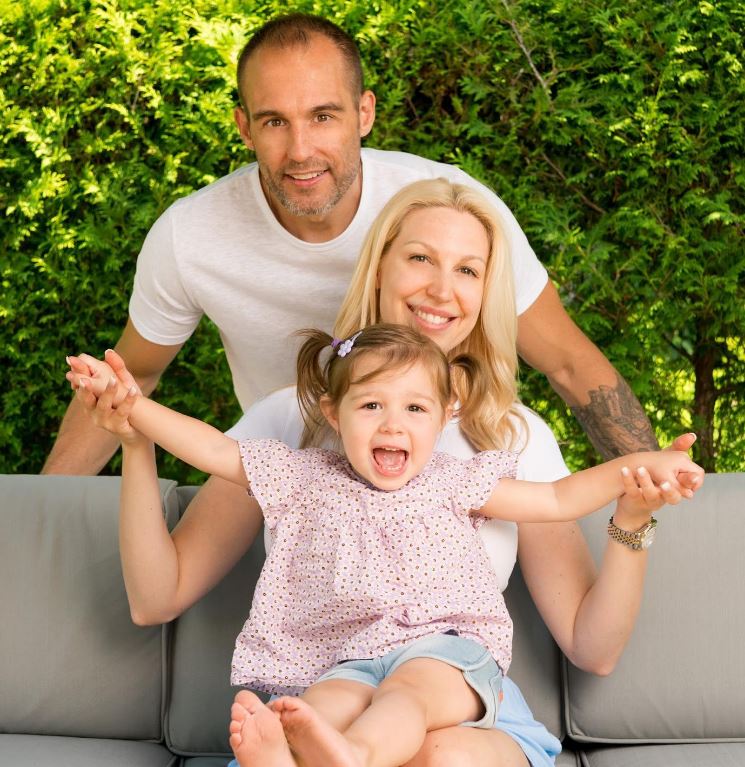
point(80, 685)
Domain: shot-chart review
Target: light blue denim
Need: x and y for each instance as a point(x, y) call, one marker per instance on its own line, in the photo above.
point(479, 668)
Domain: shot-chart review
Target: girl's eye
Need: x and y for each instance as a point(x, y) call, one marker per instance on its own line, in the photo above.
point(371, 406)
point(416, 409)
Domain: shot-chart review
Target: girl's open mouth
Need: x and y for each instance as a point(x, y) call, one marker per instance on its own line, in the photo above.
point(390, 461)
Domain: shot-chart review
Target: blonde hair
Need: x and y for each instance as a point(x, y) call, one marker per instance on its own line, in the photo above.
point(489, 420)
point(395, 347)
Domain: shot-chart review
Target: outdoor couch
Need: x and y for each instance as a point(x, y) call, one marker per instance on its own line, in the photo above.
point(82, 686)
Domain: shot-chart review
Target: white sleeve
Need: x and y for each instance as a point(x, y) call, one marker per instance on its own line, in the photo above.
point(160, 307)
point(541, 459)
point(276, 416)
point(529, 273)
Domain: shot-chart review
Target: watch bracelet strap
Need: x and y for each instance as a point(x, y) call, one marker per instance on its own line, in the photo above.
point(630, 539)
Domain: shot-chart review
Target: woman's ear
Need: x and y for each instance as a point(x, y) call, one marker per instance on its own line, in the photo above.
point(329, 412)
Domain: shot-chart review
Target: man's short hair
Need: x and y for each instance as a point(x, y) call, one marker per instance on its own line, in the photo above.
point(297, 29)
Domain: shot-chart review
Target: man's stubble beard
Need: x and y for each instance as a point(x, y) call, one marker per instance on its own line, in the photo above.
point(295, 207)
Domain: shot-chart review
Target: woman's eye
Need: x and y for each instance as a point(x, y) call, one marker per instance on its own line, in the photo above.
point(418, 257)
point(469, 271)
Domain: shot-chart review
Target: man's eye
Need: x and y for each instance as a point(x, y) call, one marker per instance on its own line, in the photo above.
point(275, 122)
point(322, 118)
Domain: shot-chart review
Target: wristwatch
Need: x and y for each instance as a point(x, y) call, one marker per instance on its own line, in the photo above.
point(638, 540)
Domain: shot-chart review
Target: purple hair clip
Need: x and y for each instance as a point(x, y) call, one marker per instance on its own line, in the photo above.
point(344, 347)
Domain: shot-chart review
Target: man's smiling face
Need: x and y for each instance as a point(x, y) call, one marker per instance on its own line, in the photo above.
point(305, 125)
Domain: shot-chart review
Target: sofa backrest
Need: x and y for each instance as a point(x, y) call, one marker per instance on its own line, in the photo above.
point(536, 660)
point(71, 661)
point(682, 675)
point(201, 648)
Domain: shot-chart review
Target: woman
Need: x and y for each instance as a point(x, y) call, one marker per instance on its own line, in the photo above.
point(435, 259)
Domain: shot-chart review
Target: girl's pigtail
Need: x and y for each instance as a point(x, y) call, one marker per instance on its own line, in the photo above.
point(311, 382)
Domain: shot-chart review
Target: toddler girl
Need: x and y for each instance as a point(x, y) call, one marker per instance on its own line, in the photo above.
point(377, 595)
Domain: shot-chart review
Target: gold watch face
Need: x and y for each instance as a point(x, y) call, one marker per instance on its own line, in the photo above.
point(647, 536)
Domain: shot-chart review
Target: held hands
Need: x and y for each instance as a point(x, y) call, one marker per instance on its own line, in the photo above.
point(671, 470)
point(108, 391)
point(657, 481)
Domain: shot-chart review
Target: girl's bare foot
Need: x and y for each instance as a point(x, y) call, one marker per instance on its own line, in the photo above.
point(256, 734)
point(312, 739)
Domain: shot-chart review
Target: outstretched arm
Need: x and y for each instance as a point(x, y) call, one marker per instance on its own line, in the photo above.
point(189, 439)
point(599, 397)
point(590, 611)
point(165, 573)
point(586, 491)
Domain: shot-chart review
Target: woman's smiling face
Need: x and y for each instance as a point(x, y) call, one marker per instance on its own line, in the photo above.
point(432, 277)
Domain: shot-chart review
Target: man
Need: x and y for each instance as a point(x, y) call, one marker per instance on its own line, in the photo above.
point(270, 248)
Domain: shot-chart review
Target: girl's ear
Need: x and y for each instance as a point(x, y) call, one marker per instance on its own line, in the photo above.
point(329, 412)
point(448, 414)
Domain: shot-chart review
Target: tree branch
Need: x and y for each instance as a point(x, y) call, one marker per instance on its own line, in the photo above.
point(524, 49)
point(586, 200)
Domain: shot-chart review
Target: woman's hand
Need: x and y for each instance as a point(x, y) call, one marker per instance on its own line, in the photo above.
point(107, 391)
point(642, 496)
point(115, 419)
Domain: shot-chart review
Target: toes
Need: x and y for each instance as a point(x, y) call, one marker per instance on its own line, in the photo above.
point(250, 702)
point(235, 741)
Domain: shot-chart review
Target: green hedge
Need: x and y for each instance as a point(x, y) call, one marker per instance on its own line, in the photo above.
point(614, 131)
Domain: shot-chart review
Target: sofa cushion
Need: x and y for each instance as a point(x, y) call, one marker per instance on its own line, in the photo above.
point(201, 649)
point(535, 657)
point(681, 676)
point(688, 755)
point(71, 660)
point(50, 751)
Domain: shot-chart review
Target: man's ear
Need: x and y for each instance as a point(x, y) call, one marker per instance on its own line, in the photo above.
point(244, 126)
point(329, 412)
point(366, 112)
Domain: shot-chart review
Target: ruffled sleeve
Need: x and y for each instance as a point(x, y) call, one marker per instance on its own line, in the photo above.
point(277, 473)
point(476, 478)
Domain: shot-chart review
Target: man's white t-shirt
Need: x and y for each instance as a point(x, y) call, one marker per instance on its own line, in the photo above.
point(278, 417)
point(221, 252)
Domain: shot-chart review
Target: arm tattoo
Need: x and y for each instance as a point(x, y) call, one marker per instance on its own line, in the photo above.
point(615, 421)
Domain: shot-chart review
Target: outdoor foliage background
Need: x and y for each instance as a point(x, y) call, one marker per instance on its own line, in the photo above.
point(614, 130)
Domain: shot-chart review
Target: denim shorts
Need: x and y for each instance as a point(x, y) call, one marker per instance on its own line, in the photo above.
point(480, 670)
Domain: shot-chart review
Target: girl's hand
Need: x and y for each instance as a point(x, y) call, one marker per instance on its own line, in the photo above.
point(115, 419)
point(672, 468)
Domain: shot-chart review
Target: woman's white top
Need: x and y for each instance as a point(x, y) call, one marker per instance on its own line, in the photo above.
point(277, 416)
